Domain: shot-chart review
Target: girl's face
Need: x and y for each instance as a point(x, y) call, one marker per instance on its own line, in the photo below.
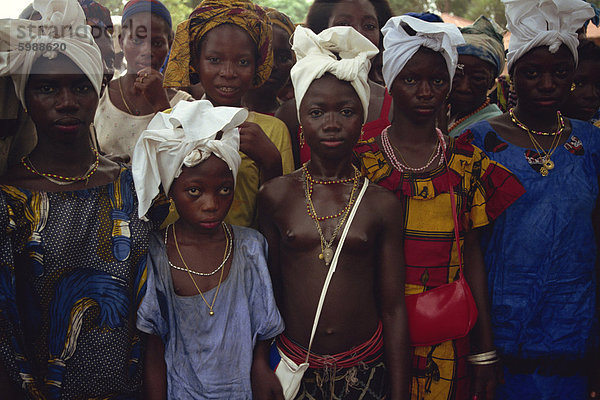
point(145, 41)
point(203, 194)
point(543, 80)
point(584, 101)
point(331, 123)
point(283, 60)
point(60, 99)
point(359, 14)
point(226, 64)
point(420, 89)
point(471, 83)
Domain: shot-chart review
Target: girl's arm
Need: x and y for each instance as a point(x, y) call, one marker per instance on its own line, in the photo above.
point(256, 145)
point(155, 370)
point(265, 385)
point(481, 339)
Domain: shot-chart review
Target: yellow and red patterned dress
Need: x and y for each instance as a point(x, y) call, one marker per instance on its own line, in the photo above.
point(483, 190)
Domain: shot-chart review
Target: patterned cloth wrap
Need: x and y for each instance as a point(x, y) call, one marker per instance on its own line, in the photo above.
point(96, 14)
point(484, 41)
point(281, 20)
point(208, 15)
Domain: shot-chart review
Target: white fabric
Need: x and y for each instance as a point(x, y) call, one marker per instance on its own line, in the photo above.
point(535, 23)
point(62, 27)
point(318, 54)
point(185, 136)
point(399, 46)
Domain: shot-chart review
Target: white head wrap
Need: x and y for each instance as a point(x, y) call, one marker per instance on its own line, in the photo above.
point(400, 46)
point(185, 136)
point(62, 29)
point(318, 54)
point(534, 23)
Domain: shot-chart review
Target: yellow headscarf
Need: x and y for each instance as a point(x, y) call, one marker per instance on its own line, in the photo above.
point(281, 20)
point(208, 15)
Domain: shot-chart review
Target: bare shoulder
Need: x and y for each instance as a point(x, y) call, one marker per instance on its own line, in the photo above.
point(382, 202)
point(277, 190)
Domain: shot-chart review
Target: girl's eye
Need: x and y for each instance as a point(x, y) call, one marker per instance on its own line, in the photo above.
point(561, 73)
point(213, 60)
point(346, 112)
point(193, 191)
point(531, 74)
point(137, 41)
point(225, 191)
point(410, 81)
point(439, 82)
point(46, 89)
point(244, 62)
point(370, 27)
point(81, 89)
point(315, 113)
point(158, 43)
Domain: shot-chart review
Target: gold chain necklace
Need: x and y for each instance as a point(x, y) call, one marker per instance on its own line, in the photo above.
point(124, 101)
point(64, 180)
point(547, 163)
point(327, 246)
point(228, 244)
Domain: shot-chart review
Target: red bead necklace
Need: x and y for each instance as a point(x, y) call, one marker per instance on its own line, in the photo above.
point(466, 117)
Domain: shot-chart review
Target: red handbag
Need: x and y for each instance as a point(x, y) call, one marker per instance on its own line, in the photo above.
point(445, 312)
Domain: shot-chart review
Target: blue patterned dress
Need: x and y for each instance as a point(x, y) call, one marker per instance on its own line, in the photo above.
point(541, 259)
point(72, 273)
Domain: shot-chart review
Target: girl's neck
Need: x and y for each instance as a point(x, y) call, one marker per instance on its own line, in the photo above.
point(543, 120)
point(265, 103)
point(69, 159)
point(405, 130)
point(327, 169)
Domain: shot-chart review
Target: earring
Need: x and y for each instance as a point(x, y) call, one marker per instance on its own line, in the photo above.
point(362, 134)
point(573, 86)
point(172, 208)
point(301, 137)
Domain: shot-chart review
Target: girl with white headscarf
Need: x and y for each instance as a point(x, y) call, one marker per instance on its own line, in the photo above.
point(72, 247)
point(208, 289)
point(360, 347)
point(419, 164)
point(541, 255)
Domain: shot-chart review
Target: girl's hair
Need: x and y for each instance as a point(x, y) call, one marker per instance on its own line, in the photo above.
point(320, 11)
point(588, 51)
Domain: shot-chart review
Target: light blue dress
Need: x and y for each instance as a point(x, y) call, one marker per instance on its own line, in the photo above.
point(541, 259)
point(209, 357)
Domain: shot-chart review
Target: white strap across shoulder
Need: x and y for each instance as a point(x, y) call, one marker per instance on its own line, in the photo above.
point(336, 256)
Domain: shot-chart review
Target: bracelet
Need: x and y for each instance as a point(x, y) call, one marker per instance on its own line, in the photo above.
point(489, 355)
point(488, 362)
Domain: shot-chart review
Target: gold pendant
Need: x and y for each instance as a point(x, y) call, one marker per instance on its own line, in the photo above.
point(211, 313)
point(549, 164)
point(544, 171)
point(327, 255)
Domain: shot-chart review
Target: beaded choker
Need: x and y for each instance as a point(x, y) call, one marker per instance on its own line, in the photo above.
point(59, 179)
point(466, 117)
point(560, 124)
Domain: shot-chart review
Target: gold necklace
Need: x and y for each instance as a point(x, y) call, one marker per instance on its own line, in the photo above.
point(327, 246)
point(228, 243)
point(64, 180)
point(124, 101)
point(560, 124)
point(547, 163)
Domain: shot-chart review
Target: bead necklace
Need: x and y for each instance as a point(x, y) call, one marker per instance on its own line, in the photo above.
point(228, 244)
point(389, 151)
point(560, 124)
point(327, 246)
point(466, 117)
point(547, 163)
point(226, 256)
point(345, 209)
point(124, 101)
point(318, 182)
point(63, 180)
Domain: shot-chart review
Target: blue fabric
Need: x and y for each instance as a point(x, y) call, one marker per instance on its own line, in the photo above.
point(151, 6)
point(209, 357)
point(538, 387)
point(541, 253)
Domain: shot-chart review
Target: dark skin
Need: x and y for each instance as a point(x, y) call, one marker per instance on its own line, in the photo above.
point(470, 86)
point(202, 196)
point(543, 81)
point(419, 93)
point(584, 101)
point(62, 102)
point(361, 15)
point(332, 127)
point(226, 63)
point(145, 41)
point(264, 98)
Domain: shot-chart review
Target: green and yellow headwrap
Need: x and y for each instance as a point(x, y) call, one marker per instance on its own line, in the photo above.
point(208, 15)
point(281, 20)
point(484, 40)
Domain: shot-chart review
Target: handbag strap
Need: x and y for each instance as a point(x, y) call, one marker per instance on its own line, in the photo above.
point(453, 202)
point(334, 262)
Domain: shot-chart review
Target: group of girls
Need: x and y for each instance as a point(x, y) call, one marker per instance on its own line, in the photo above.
point(101, 298)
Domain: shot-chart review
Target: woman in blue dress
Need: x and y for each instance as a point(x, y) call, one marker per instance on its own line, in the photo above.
point(541, 253)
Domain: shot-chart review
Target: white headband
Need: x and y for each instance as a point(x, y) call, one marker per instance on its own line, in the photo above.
point(535, 23)
point(185, 136)
point(400, 46)
point(62, 29)
point(318, 54)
